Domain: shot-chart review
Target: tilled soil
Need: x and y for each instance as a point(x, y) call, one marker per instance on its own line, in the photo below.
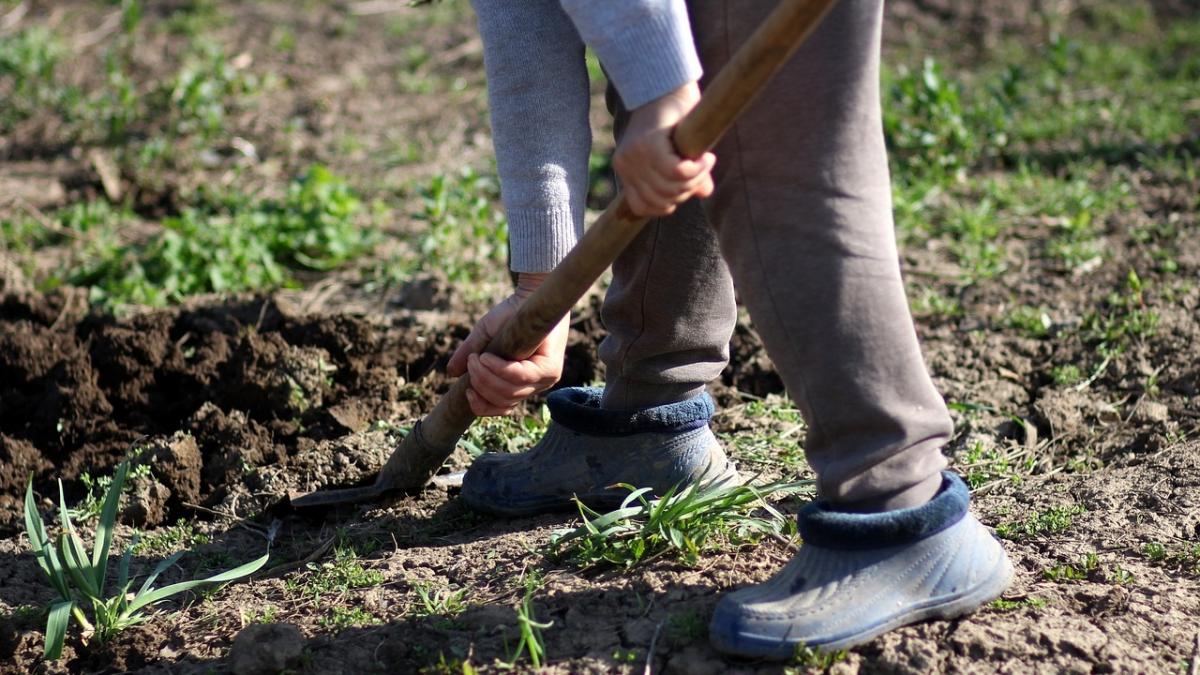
point(235, 402)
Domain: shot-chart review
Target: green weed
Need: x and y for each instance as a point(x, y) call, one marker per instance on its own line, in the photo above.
point(1124, 319)
point(1033, 322)
point(80, 578)
point(233, 243)
point(465, 237)
point(1155, 551)
point(1088, 565)
point(438, 600)
point(340, 618)
point(1003, 605)
point(29, 61)
point(924, 121)
point(625, 655)
point(928, 303)
point(686, 627)
point(510, 433)
point(1066, 374)
point(531, 643)
point(1055, 520)
point(1184, 558)
point(986, 465)
point(683, 521)
point(182, 533)
point(338, 576)
point(92, 504)
point(806, 659)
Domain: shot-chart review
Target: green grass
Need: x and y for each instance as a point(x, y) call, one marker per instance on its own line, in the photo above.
point(336, 577)
point(29, 63)
point(1043, 139)
point(684, 522)
point(1004, 605)
point(772, 440)
point(1054, 520)
point(181, 534)
point(95, 489)
point(464, 235)
point(1122, 320)
point(341, 618)
point(230, 242)
point(806, 659)
point(983, 465)
point(436, 600)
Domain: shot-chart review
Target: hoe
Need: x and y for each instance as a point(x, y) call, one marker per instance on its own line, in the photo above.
point(423, 451)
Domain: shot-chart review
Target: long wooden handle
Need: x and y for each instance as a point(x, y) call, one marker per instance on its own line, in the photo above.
point(724, 99)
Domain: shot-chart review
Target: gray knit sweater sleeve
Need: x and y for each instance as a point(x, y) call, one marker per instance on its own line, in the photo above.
point(539, 99)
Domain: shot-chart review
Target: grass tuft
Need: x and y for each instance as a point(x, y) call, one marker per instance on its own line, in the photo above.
point(684, 522)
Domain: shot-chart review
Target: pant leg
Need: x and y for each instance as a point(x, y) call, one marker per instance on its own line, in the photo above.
point(803, 213)
point(669, 311)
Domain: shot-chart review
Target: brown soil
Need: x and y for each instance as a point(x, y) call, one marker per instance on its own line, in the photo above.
point(235, 402)
point(207, 394)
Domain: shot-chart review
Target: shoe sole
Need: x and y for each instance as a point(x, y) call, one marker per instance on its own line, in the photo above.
point(763, 647)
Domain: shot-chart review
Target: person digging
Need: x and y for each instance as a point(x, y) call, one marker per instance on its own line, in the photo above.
point(796, 216)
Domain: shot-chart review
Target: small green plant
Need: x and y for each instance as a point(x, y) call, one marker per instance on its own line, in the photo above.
point(29, 63)
point(924, 120)
point(340, 575)
point(510, 433)
point(1185, 558)
point(1120, 575)
point(1054, 520)
point(1034, 322)
point(80, 578)
point(686, 627)
point(1088, 565)
point(1155, 551)
point(96, 488)
point(182, 533)
point(466, 236)
point(625, 655)
point(531, 642)
point(1066, 374)
point(341, 618)
point(1004, 605)
point(230, 243)
point(199, 95)
point(1124, 319)
point(814, 659)
point(987, 465)
point(682, 521)
point(438, 600)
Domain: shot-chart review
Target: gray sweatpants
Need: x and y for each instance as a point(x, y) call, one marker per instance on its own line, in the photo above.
point(801, 224)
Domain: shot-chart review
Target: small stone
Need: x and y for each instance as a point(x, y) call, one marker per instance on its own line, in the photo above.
point(1151, 412)
point(266, 648)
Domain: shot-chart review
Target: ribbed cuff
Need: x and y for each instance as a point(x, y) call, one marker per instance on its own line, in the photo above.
point(820, 525)
point(578, 409)
point(539, 239)
point(653, 57)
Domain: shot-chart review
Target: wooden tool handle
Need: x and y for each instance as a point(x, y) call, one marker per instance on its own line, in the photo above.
point(724, 99)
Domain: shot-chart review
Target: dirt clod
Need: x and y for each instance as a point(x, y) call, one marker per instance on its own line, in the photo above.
point(266, 649)
point(176, 461)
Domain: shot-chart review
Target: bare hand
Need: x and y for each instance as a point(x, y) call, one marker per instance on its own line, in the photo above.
point(498, 385)
point(654, 179)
